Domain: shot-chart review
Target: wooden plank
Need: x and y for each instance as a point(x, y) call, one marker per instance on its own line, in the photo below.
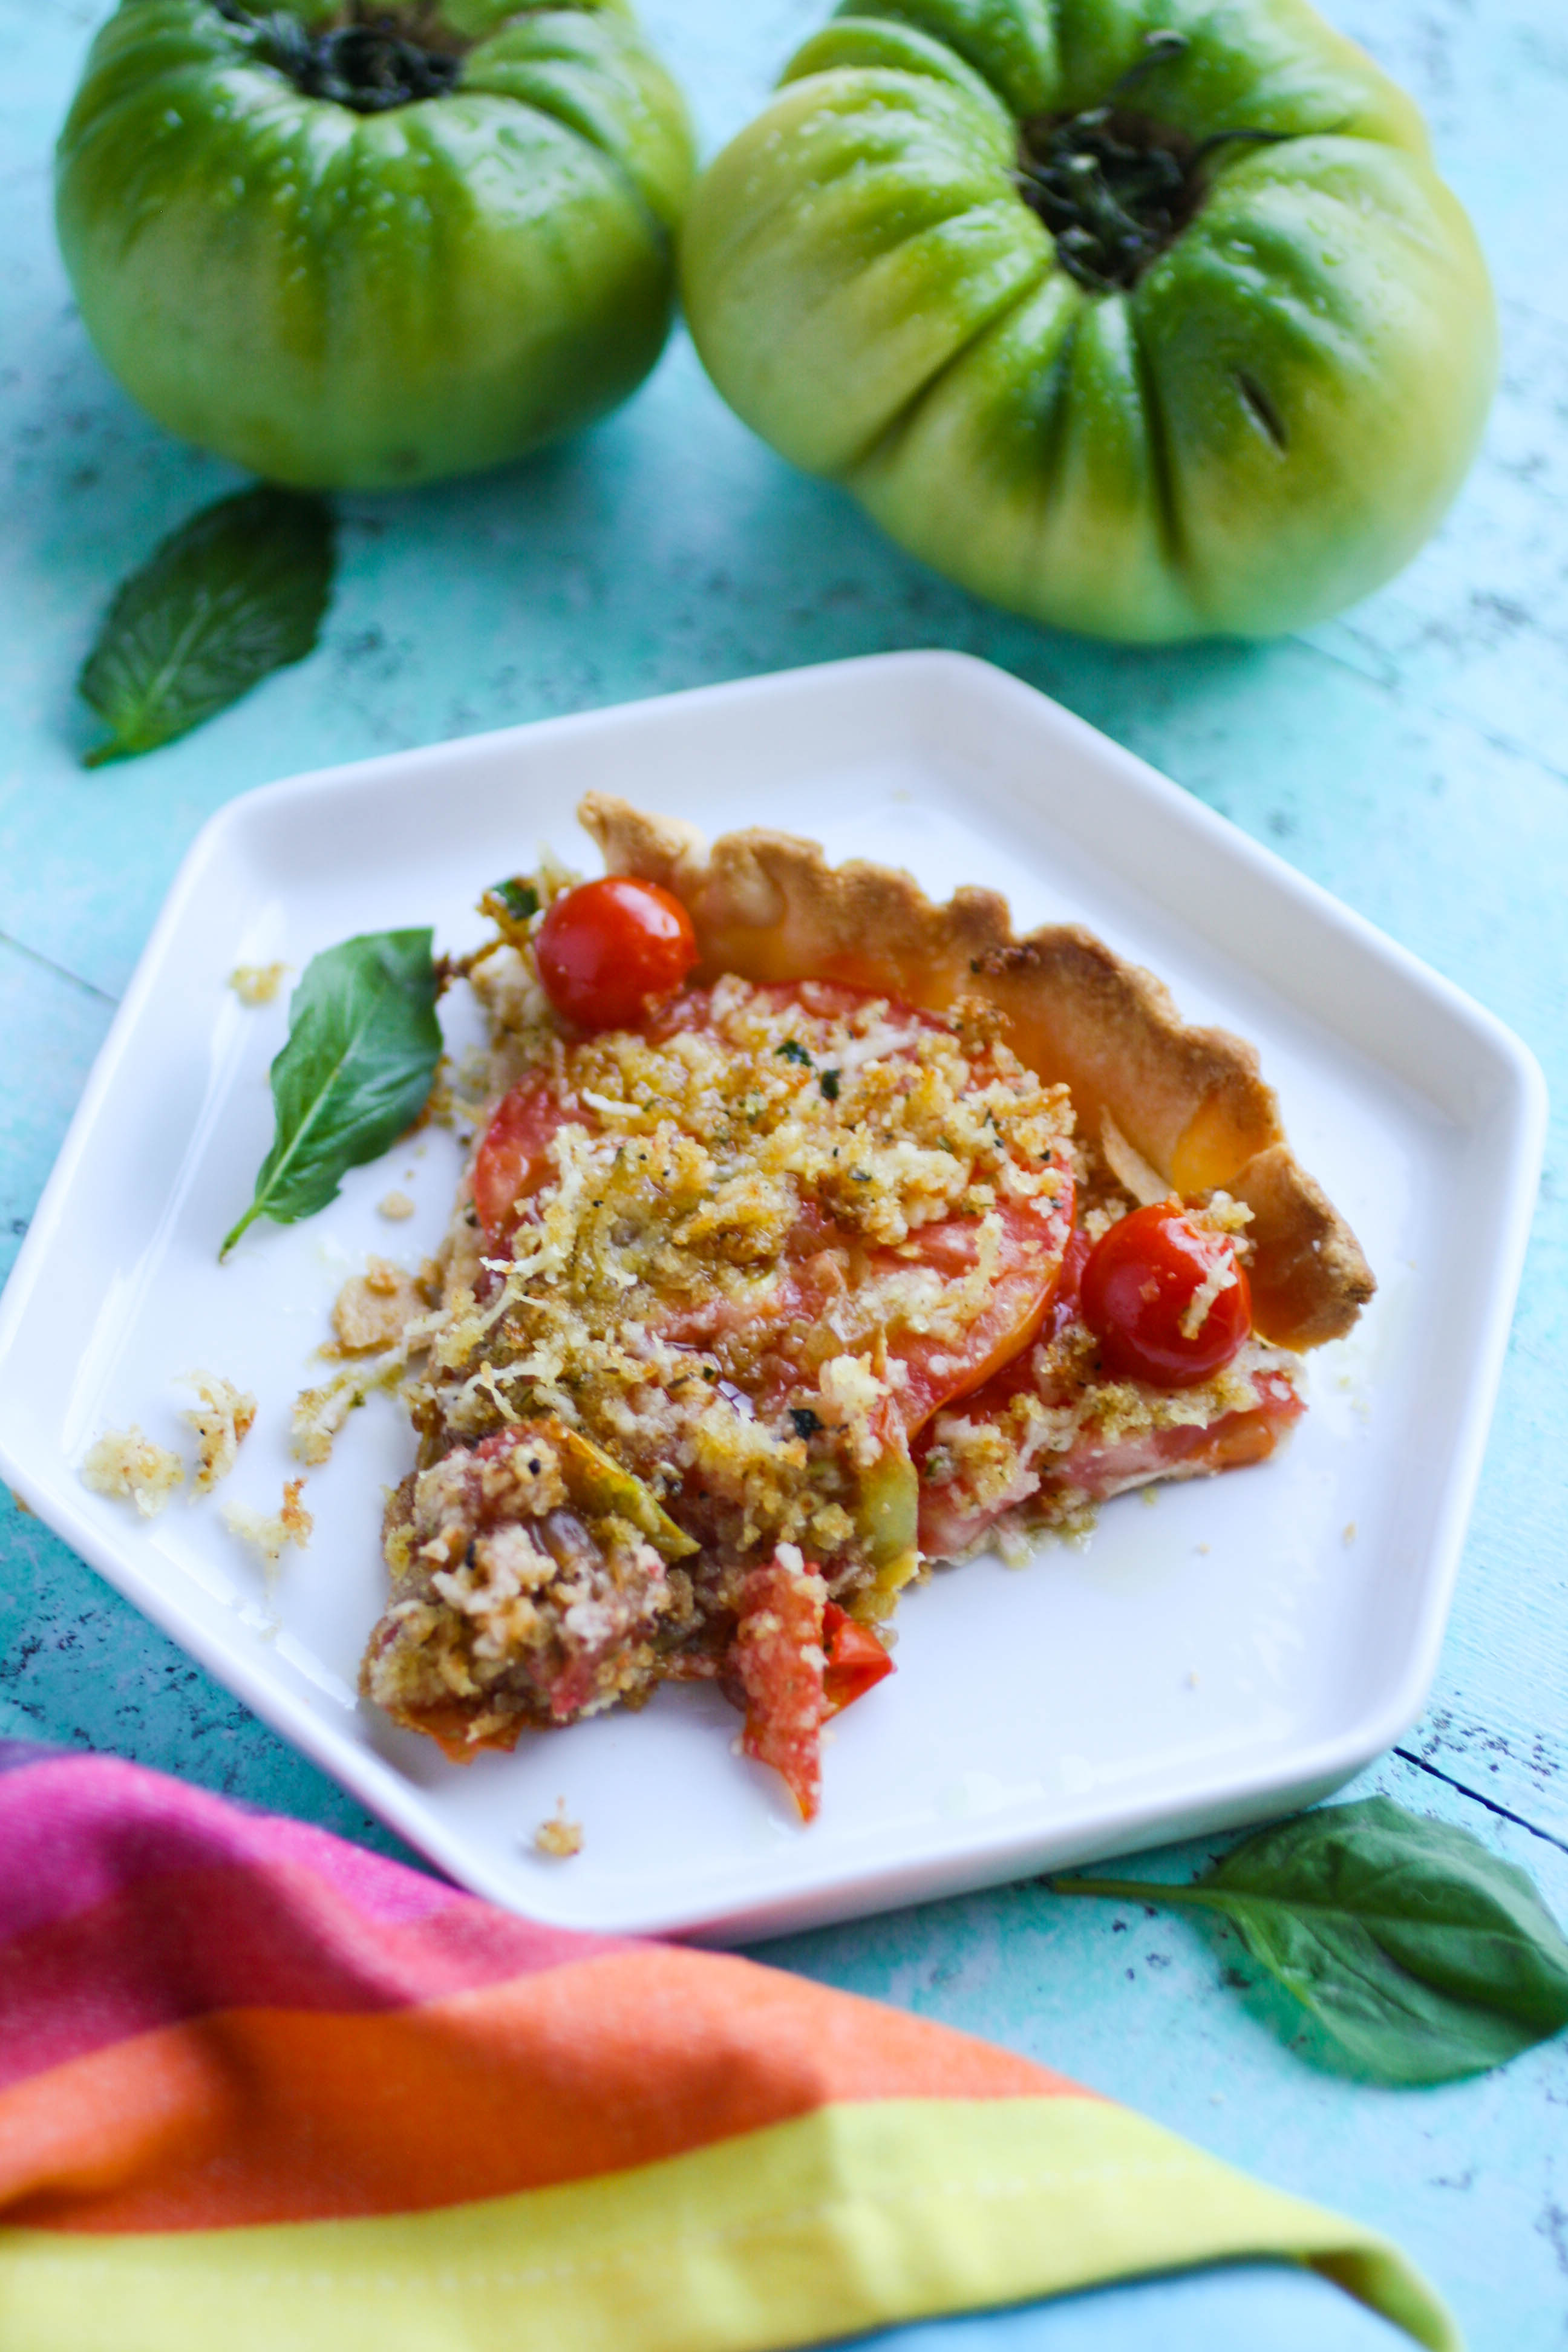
point(51, 1026)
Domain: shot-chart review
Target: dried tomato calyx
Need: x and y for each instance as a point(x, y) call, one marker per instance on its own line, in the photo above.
point(370, 67)
point(1114, 187)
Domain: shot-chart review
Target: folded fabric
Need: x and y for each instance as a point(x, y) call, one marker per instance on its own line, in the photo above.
point(262, 2088)
point(1229, 2307)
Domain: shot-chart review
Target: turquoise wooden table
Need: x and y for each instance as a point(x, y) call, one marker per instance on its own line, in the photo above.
point(1412, 756)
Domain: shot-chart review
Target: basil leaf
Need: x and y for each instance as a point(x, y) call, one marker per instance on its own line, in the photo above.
point(511, 907)
point(235, 594)
point(520, 899)
point(1420, 1955)
point(364, 1043)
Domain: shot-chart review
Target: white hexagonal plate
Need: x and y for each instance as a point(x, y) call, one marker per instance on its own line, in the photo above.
point(1225, 1650)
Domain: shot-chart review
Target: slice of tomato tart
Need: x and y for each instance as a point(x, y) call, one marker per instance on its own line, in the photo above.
point(814, 1232)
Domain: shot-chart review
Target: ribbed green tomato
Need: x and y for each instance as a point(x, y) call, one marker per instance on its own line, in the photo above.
point(979, 261)
point(363, 254)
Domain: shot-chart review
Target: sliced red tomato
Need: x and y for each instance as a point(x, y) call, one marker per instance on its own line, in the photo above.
point(513, 1160)
point(1098, 1468)
point(821, 1262)
point(799, 1658)
point(857, 1662)
point(1075, 1258)
point(937, 1369)
point(778, 1659)
point(1155, 1275)
point(1101, 1469)
point(940, 1370)
point(824, 1000)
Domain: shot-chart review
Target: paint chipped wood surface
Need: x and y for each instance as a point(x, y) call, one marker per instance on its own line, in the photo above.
point(1412, 756)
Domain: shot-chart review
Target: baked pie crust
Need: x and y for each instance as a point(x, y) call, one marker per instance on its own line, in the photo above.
point(694, 1407)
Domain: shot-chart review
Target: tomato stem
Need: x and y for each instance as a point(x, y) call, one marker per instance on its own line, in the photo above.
point(1113, 187)
point(367, 64)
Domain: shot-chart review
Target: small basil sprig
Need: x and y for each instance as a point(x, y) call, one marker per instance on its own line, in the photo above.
point(364, 1043)
point(235, 593)
point(1420, 1954)
point(511, 907)
point(519, 898)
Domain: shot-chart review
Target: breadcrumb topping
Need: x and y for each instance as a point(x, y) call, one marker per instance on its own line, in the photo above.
point(256, 983)
point(521, 1592)
point(729, 1250)
point(320, 1415)
point(686, 1389)
point(1004, 1458)
point(271, 1534)
point(374, 1310)
point(132, 1469)
point(222, 1421)
point(559, 1835)
point(380, 1318)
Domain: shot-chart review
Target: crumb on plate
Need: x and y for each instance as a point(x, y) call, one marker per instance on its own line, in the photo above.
point(374, 1308)
point(132, 1469)
point(463, 1091)
point(223, 1420)
point(319, 1415)
point(270, 1533)
point(558, 1835)
point(394, 1207)
point(256, 983)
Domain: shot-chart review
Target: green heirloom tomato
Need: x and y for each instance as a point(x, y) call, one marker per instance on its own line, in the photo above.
point(1147, 317)
point(353, 254)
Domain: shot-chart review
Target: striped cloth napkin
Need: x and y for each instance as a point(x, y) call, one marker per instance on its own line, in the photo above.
point(262, 2089)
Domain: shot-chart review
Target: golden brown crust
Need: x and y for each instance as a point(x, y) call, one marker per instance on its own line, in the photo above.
point(1308, 1275)
point(1191, 1102)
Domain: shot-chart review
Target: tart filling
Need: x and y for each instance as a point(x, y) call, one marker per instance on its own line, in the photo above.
point(757, 1302)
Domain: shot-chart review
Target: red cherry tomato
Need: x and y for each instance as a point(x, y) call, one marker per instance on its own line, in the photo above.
point(856, 1661)
point(1139, 1288)
point(606, 950)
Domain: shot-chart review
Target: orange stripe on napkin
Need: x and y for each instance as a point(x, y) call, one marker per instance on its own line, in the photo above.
point(253, 2116)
